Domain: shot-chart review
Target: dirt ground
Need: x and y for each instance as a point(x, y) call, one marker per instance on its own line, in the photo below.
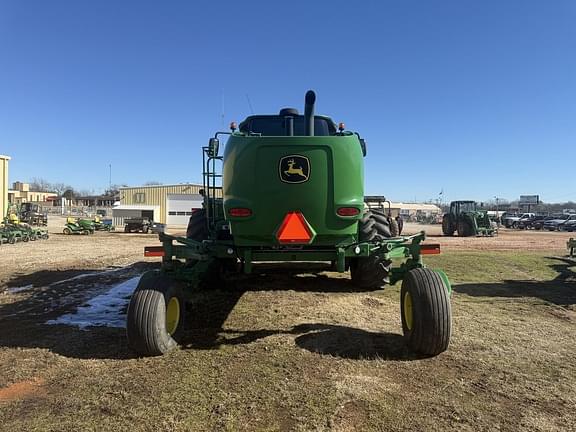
point(293, 349)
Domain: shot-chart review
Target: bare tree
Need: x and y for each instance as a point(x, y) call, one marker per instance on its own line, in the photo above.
point(60, 188)
point(69, 193)
point(38, 184)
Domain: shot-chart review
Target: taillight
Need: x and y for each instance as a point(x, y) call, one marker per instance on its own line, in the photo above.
point(430, 249)
point(154, 251)
point(347, 211)
point(240, 212)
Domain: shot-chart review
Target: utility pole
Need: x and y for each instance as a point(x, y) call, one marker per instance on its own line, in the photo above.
point(497, 214)
point(110, 179)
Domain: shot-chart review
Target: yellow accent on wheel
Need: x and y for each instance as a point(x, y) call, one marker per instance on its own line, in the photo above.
point(408, 314)
point(172, 315)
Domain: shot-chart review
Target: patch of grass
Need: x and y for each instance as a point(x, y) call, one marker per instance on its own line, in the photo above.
point(489, 266)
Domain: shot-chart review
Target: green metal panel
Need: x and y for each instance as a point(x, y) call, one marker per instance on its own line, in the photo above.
point(252, 179)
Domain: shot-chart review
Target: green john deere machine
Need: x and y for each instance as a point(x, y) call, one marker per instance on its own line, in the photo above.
point(466, 219)
point(290, 189)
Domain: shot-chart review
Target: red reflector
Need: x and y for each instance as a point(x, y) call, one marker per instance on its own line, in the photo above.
point(240, 212)
point(153, 251)
point(430, 249)
point(347, 211)
point(294, 229)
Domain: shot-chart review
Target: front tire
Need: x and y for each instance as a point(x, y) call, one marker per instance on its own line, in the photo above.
point(426, 312)
point(447, 229)
point(464, 229)
point(155, 317)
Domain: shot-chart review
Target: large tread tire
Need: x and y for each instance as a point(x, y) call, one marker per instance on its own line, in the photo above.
point(394, 228)
point(146, 325)
point(197, 226)
point(427, 316)
point(371, 272)
point(464, 229)
point(389, 223)
point(447, 229)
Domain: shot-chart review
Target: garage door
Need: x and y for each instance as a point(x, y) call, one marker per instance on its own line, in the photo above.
point(179, 208)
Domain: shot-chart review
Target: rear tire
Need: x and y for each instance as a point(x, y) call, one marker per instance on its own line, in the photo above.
point(67, 231)
point(197, 226)
point(394, 228)
point(155, 317)
point(426, 312)
point(371, 272)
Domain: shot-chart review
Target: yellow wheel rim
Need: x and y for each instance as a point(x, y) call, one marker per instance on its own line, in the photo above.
point(172, 315)
point(408, 314)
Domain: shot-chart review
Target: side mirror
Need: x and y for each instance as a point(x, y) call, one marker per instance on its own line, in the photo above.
point(363, 146)
point(213, 146)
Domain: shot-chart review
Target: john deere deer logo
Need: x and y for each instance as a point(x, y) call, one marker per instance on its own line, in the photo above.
point(294, 169)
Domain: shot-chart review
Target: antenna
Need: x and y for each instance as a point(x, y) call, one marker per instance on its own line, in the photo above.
point(249, 104)
point(222, 107)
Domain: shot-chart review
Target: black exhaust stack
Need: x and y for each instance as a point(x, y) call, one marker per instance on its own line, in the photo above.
point(310, 100)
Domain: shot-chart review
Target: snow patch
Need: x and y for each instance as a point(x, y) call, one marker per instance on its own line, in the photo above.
point(103, 310)
point(18, 289)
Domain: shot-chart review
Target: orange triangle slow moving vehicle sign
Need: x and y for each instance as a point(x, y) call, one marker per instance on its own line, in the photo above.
point(294, 229)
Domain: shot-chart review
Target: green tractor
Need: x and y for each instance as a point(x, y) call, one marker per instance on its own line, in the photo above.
point(291, 189)
point(466, 219)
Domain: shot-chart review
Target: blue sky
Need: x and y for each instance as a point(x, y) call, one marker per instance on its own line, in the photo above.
point(475, 98)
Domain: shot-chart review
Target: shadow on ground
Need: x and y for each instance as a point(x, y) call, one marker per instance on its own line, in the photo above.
point(560, 291)
point(207, 315)
point(23, 322)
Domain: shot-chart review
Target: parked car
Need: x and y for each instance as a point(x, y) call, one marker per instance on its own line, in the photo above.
point(506, 216)
point(144, 225)
point(558, 222)
point(531, 222)
point(512, 220)
point(570, 225)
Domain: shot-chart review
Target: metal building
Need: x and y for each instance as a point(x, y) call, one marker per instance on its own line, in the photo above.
point(168, 204)
point(3, 185)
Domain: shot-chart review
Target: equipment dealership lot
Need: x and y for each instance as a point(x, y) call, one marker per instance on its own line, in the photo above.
point(293, 350)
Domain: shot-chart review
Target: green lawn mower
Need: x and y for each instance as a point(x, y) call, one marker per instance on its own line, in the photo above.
point(74, 226)
point(13, 234)
point(291, 189)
